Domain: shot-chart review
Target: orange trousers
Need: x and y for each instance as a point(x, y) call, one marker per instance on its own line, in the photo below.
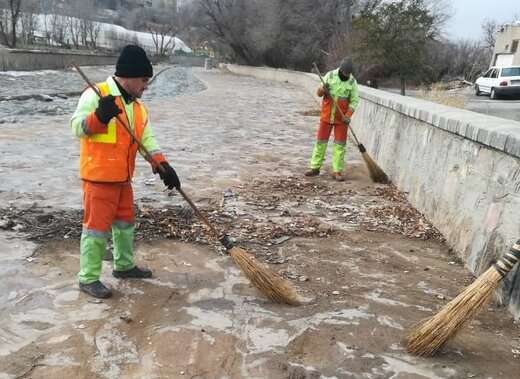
point(340, 132)
point(105, 203)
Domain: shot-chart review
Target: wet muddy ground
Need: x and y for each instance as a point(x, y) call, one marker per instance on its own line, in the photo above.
point(367, 265)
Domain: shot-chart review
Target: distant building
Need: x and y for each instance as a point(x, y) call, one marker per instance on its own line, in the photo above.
point(507, 49)
point(131, 4)
point(109, 4)
point(172, 4)
point(156, 4)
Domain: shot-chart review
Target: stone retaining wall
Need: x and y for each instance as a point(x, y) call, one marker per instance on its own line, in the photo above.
point(26, 60)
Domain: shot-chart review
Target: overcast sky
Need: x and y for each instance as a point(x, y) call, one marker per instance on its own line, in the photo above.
point(468, 16)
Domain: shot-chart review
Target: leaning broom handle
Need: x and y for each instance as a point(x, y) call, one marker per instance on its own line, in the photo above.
point(336, 104)
point(508, 260)
point(148, 156)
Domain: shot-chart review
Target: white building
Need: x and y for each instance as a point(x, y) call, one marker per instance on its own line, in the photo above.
point(507, 49)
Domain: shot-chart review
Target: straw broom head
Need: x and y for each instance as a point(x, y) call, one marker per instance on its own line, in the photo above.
point(272, 285)
point(429, 336)
point(376, 173)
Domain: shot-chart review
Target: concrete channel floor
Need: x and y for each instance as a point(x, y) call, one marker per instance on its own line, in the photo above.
point(248, 139)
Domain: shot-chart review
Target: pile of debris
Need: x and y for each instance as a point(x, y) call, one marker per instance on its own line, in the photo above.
point(261, 213)
point(380, 209)
point(401, 219)
point(43, 224)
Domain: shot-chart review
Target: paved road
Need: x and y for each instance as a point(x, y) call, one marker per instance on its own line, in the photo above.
point(506, 108)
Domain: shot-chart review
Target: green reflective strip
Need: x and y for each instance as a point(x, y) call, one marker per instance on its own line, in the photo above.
point(122, 224)
point(95, 233)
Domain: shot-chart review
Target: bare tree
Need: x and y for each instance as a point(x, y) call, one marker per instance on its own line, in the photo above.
point(464, 59)
point(58, 29)
point(93, 30)
point(28, 21)
point(230, 23)
point(29, 24)
point(9, 17)
point(73, 25)
point(489, 30)
point(163, 36)
point(441, 10)
point(163, 28)
point(279, 33)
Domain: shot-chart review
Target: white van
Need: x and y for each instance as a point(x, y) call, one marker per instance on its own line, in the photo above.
point(499, 81)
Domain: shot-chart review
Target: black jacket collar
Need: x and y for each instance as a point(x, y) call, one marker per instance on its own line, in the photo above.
point(124, 94)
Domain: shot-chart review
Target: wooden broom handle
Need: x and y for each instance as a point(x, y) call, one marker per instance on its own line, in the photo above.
point(147, 155)
point(508, 260)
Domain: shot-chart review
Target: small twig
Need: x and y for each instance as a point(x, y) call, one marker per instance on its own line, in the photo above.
point(45, 234)
point(198, 375)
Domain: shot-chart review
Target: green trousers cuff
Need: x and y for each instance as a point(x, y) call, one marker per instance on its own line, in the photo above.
point(123, 239)
point(92, 250)
point(338, 157)
point(318, 155)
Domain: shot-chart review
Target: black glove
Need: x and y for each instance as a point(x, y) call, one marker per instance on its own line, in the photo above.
point(169, 176)
point(107, 109)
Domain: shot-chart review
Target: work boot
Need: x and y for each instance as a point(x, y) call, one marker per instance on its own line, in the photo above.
point(133, 273)
point(338, 176)
point(96, 289)
point(312, 172)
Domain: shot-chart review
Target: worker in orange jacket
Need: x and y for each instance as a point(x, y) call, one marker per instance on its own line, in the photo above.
point(107, 163)
point(340, 89)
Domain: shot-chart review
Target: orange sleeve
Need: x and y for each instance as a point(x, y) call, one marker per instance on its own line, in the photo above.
point(157, 159)
point(94, 126)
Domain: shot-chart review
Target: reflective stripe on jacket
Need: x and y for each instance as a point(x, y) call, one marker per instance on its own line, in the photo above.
point(110, 156)
point(344, 92)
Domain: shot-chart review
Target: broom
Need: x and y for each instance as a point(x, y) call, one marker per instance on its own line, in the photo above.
point(428, 337)
point(376, 173)
point(272, 285)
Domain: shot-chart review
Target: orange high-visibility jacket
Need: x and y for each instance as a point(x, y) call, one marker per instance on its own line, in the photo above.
point(110, 157)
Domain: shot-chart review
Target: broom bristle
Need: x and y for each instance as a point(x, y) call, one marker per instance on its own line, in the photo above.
point(376, 173)
point(428, 337)
point(266, 281)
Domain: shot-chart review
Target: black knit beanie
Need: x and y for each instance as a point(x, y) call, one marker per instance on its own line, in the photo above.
point(346, 65)
point(133, 63)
